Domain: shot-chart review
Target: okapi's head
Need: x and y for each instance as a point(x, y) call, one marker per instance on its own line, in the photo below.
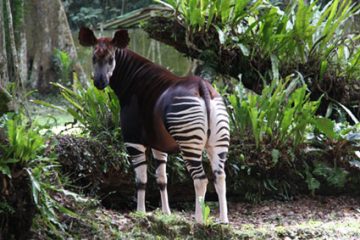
point(104, 53)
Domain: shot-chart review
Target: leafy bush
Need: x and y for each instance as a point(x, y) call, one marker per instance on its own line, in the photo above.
point(287, 37)
point(98, 112)
point(268, 130)
point(259, 41)
point(200, 14)
point(279, 146)
point(29, 177)
point(280, 114)
point(334, 153)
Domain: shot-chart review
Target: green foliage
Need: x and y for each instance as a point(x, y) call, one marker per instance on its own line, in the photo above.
point(88, 15)
point(92, 13)
point(336, 177)
point(273, 41)
point(63, 65)
point(333, 150)
point(205, 209)
point(24, 143)
point(25, 151)
point(312, 183)
point(293, 147)
point(201, 14)
point(302, 33)
point(280, 114)
point(98, 112)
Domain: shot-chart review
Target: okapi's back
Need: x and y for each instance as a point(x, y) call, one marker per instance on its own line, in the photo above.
point(152, 87)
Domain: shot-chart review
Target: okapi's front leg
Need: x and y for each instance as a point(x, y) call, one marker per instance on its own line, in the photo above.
point(138, 160)
point(161, 178)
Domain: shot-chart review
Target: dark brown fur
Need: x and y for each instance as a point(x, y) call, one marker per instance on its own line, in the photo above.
point(145, 90)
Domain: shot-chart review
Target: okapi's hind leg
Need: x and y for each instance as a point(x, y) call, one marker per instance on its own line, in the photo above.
point(217, 149)
point(187, 123)
point(161, 178)
point(137, 157)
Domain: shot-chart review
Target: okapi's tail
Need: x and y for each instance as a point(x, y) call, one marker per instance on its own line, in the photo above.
point(205, 92)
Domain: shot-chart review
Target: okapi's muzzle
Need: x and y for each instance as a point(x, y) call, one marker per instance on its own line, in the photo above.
point(101, 80)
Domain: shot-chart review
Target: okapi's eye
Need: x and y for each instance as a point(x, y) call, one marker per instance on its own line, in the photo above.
point(111, 59)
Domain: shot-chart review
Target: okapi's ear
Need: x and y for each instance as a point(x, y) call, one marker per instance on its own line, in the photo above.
point(121, 39)
point(87, 37)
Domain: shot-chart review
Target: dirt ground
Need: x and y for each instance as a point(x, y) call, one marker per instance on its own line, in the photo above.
point(302, 218)
point(298, 211)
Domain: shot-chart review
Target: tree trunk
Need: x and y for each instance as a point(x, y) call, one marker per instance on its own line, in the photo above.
point(48, 20)
point(5, 101)
point(3, 56)
point(14, 55)
point(22, 46)
point(123, 5)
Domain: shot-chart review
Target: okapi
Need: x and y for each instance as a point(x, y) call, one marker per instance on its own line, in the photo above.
point(163, 112)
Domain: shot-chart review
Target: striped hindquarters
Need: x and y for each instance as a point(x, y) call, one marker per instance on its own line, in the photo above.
point(186, 121)
point(219, 124)
point(218, 142)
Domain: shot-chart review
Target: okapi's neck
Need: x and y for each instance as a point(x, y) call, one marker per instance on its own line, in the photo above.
point(135, 75)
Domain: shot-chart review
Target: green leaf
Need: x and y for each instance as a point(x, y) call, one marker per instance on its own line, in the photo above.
point(275, 154)
point(35, 187)
point(221, 34)
point(225, 10)
point(4, 169)
point(211, 15)
point(312, 182)
point(46, 104)
point(275, 66)
point(206, 214)
point(326, 126)
point(244, 49)
point(240, 7)
point(286, 121)
point(205, 210)
point(323, 69)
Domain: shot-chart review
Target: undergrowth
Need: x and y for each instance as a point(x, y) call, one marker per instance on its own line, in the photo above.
point(281, 147)
point(29, 173)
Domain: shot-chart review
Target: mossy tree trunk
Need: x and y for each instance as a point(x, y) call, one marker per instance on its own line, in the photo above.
point(30, 31)
point(48, 20)
point(3, 55)
point(14, 63)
